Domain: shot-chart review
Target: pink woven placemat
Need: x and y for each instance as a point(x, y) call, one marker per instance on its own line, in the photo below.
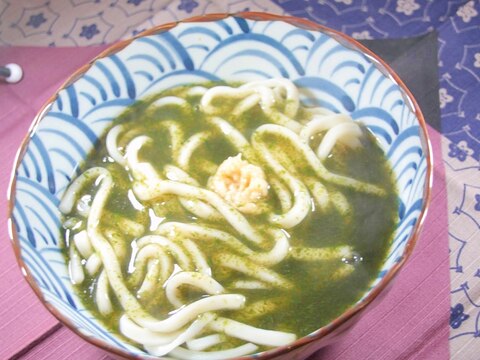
point(23, 319)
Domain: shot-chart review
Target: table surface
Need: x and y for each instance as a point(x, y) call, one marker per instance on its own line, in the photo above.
point(432, 312)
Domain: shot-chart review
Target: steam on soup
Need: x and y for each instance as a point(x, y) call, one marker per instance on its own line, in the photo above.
point(220, 221)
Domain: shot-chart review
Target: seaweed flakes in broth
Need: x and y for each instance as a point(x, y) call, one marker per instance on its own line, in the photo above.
point(233, 206)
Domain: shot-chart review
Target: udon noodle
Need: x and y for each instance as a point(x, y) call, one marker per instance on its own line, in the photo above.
point(209, 214)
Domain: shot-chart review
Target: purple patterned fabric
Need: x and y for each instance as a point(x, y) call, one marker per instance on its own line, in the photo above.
point(458, 26)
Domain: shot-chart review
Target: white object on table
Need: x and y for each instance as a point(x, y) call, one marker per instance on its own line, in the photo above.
point(12, 73)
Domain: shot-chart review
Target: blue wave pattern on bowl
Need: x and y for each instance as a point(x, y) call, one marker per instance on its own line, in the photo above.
point(328, 73)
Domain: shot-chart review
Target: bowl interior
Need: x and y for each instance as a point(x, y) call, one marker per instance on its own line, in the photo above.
point(329, 69)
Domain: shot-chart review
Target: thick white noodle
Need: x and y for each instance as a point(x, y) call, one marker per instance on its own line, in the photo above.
point(200, 261)
point(195, 279)
point(185, 354)
point(72, 223)
point(232, 215)
point(111, 143)
point(282, 193)
point(73, 191)
point(189, 147)
point(197, 91)
point(83, 205)
point(177, 252)
point(252, 334)
point(75, 267)
point(267, 97)
point(235, 138)
point(246, 104)
point(146, 177)
point(169, 100)
point(346, 133)
point(340, 201)
point(203, 343)
point(176, 134)
point(141, 171)
point(282, 120)
point(129, 227)
point(319, 111)
point(144, 336)
point(279, 94)
point(93, 264)
point(249, 284)
point(102, 296)
point(249, 268)
point(278, 252)
point(320, 124)
point(263, 307)
point(174, 173)
point(82, 243)
point(267, 102)
point(291, 91)
point(200, 209)
point(191, 311)
point(150, 281)
point(315, 162)
point(193, 330)
point(268, 106)
point(321, 254)
point(203, 233)
point(301, 197)
point(117, 241)
point(324, 197)
point(196, 207)
point(150, 256)
point(318, 191)
point(223, 91)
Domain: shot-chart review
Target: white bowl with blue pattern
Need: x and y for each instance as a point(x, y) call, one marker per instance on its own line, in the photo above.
point(331, 69)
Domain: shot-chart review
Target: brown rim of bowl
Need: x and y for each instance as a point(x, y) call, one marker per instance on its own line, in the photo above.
point(258, 16)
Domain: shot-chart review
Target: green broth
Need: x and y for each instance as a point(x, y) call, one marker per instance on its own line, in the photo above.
point(320, 294)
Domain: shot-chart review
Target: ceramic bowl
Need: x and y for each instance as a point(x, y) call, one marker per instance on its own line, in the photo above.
point(331, 69)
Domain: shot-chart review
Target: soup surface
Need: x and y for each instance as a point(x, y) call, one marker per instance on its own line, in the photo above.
point(227, 219)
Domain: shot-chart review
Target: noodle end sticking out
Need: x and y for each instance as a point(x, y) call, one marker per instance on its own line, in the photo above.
point(242, 184)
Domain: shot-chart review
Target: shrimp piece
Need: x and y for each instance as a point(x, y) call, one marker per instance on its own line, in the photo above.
point(240, 183)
